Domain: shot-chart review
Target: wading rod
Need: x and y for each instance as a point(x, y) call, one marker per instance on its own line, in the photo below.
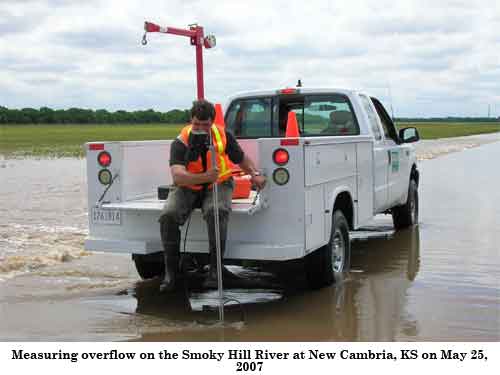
point(215, 197)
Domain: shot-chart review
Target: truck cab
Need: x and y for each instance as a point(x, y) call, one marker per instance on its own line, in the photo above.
point(347, 164)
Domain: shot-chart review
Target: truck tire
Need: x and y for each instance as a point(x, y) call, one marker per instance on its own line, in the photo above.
point(406, 215)
point(149, 266)
point(329, 261)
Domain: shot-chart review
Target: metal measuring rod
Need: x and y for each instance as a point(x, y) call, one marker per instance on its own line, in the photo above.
point(220, 287)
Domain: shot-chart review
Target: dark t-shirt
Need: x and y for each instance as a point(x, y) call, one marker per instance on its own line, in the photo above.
point(179, 151)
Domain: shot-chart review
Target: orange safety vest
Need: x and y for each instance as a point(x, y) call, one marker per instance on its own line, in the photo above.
point(222, 159)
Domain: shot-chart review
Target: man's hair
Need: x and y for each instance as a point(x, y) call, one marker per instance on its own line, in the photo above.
point(203, 110)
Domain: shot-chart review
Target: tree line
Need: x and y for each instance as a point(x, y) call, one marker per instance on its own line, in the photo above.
point(47, 115)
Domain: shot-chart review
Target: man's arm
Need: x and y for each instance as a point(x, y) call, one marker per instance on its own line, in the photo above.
point(182, 177)
point(237, 156)
point(248, 167)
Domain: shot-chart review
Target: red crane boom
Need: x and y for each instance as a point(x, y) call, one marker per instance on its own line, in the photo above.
point(198, 40)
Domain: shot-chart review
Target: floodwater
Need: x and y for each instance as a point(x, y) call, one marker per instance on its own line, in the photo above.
point(438, 281)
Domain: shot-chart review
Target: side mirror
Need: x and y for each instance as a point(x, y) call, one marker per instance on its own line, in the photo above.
point(409, 135)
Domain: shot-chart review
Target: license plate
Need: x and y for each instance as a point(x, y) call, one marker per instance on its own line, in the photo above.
point(103, 216)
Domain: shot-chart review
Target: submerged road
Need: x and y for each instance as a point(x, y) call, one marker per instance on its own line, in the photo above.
point(438, 281)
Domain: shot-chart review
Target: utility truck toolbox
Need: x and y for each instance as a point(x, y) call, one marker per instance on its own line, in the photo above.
point(332, 157)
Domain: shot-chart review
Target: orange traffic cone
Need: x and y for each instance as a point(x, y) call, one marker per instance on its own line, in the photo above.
point(219, 116)
point(292, 128)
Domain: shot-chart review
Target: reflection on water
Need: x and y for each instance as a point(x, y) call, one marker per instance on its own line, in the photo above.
point(367, 305)
point(390, 268)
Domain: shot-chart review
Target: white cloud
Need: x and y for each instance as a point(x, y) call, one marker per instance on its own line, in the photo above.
point(438, 57)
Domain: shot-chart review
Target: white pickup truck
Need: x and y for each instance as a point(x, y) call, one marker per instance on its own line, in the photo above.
point(348, 165)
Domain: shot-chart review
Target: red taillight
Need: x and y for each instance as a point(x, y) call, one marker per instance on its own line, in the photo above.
point(96, 146)
point(288, 91)
point(280, 156)
point(104, 158)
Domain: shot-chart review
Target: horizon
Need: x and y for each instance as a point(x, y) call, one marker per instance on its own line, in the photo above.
point(396, 118)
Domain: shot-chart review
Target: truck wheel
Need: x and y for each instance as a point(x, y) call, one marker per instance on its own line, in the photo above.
point(149, 266)
point(329, 261)
point(406, 215)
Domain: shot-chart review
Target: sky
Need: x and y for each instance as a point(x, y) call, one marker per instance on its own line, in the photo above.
point(425, 58)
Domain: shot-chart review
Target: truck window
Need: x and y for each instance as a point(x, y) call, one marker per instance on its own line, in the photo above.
point(385, 119)
point(318, 115)
point(328, 115)
point(372, 117)
point(250, 118)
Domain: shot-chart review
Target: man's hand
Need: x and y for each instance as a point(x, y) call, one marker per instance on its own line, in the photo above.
point(259, 181)
point(248, 167)
point(182, 177)
point(212, 175)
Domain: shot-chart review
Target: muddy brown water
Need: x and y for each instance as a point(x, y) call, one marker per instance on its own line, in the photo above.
point(437, 281)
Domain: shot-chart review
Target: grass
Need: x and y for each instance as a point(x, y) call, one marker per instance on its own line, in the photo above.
point(67, 140)
point(434, 130)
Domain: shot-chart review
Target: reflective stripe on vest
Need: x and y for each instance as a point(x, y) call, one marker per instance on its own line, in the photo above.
point(221, 156)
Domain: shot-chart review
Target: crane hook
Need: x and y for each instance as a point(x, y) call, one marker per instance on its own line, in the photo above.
point(144, 40)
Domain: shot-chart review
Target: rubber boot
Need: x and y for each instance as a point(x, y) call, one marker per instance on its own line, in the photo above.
point(170, 237)
point(168, 283)
point(211, 279)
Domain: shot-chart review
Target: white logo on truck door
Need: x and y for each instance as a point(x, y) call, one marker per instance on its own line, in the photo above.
point(395, 161)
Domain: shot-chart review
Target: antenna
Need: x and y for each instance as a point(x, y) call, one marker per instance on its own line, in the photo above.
point(489, 110)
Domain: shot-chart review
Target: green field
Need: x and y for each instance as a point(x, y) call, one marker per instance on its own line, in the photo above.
point(67, 140)
point(434, 130)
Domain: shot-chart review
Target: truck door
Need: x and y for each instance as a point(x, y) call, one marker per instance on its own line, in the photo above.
point(380, 158)
point(398, 158)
